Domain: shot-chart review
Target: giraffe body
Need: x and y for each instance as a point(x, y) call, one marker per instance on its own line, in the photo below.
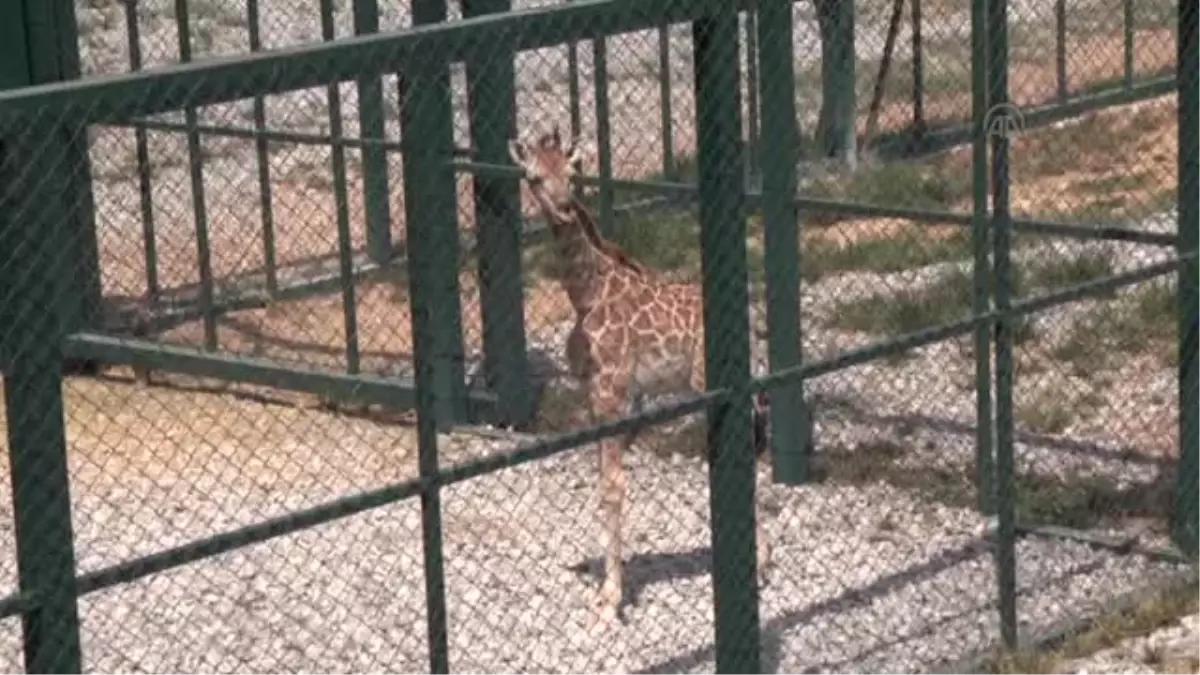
point(635, 337)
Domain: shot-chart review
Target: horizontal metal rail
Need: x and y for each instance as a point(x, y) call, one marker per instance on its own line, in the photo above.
point(118, 98)
point(395, 392)
point(902, 343)
point(754, 197)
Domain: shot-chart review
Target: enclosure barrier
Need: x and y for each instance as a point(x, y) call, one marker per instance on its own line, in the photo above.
point(45, 237)
point(507, 371)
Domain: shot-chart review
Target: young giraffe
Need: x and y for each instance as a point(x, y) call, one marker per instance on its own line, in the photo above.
point(634, 336)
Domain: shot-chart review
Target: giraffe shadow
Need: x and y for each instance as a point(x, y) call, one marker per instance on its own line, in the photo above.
point(643, 570)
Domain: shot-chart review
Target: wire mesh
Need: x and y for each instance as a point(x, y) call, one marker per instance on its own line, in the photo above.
point(354, 297)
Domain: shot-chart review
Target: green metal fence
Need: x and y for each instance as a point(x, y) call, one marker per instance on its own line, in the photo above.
point(1031, 276)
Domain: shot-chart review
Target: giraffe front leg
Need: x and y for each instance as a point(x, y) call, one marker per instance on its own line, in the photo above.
point(612, 504)
point(764, 551)
point(765, 546)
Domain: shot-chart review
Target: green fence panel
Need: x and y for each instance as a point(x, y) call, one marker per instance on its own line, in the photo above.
point(1186, 506)
point(431, 212)
point(376, 209)
point(491, 93)
point(38, 233)
point(998, 102)
point(727, 341)
point(46, 268)
point(791, 424)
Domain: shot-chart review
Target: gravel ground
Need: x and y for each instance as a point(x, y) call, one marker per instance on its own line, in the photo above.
point(872, 575)
point(881, 564)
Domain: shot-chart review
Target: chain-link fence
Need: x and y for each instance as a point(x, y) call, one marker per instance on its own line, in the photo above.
point(326, 352)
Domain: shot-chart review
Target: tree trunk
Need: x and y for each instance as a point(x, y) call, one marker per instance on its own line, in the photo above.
point(835, 127)
point(885, 64)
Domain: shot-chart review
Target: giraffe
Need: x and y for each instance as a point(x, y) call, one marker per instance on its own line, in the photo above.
point(634, 337)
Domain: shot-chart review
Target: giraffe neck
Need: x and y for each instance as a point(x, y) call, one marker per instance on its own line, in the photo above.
point(593, 265)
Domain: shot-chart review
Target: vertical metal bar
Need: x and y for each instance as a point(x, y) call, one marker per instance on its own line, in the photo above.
point(199, 209)
point(981, 255)
point(1005, 545)
point(36, 270)
point(727, 340)
point(665, 99)
point(791, 437)
point(341, 201)
point(1186, 511)
point(376, 211)
point(1128, 24)
point(573, 104)
point(752, 92)
point(263, 156)
point(918, 72)
point(603, 133)
point(52, 41)
point(437, 630)
point(491, 101)
point(142, 149)
point(1060, 48)
point(431, 214)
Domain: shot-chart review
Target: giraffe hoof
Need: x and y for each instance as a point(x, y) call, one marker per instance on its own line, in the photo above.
point(606, 606)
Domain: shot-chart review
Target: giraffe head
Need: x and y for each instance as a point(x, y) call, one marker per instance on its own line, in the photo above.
point(548, 165)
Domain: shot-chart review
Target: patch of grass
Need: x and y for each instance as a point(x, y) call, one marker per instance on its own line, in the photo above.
point(1049, 411)
point(916, 185)
point(910, 249)
point(947, 298)
point(667, 241)
point(1083, 502)
point(1108, 630)
point(1056, 272)
point(1141, 321)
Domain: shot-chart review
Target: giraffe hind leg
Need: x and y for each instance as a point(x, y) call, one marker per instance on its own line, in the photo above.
point(606, 405)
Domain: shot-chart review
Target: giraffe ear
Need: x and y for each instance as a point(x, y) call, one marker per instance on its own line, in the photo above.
point(576, 151)
point(516, 150)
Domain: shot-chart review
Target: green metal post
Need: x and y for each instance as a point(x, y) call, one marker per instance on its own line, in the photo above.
point(38, 224)
point(1128, 24)
point(603, 133)
point(426, 355)
point(491, 98)
point(791, 424)
point(431, 216)
point(376, 211)
point(727, 339)
point(50, 36)
point(1005, 545)
point(981, 254)
point(142, 149)
point(341, 205)
point(752, 94)
point(665, 98)
point(199, 207)
point(1060, 48)
point(575, 111)
point(1186, 511)
point(263, 157)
